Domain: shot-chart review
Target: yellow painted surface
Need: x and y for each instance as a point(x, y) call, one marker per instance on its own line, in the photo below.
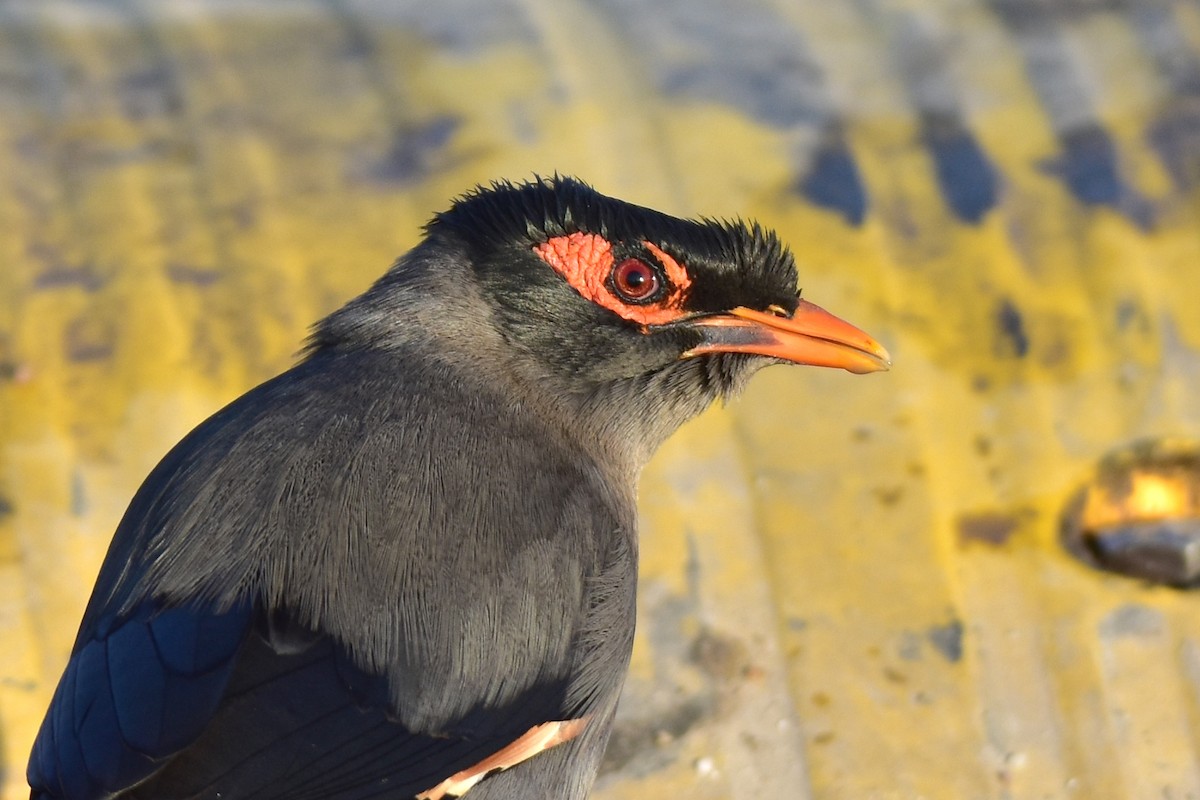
point(852, 586)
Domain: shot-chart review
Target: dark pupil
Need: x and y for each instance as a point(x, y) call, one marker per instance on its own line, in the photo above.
point(635, 280)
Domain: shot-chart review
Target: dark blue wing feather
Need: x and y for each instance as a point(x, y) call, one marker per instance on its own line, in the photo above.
point(135, 696)
point(310, 725)
point(183, 703)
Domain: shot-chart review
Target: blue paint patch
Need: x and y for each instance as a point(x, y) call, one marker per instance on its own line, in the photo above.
point(1175, 138)
point(1012, 328)
point(58, 274)
point(964, 172)
point(1175, 133)
point(1088, 166)
point(833, 182)
point(415, 152)
point(948, 640)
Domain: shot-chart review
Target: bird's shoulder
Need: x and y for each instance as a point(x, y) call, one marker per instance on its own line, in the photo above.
point(452, 541)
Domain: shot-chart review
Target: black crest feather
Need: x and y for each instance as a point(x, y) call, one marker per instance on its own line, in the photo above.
point(737, 256)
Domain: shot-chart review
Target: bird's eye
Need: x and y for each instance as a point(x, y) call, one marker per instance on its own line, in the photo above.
point(635, 281)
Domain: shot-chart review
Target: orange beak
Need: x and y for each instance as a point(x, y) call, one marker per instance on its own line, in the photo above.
point(809, 336)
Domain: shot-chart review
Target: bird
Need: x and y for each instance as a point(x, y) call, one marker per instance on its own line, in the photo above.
point(407, 566)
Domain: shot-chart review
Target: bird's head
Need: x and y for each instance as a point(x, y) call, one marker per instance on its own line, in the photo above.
point(623, 312)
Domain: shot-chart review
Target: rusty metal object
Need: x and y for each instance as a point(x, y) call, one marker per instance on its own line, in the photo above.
point(1140, 515)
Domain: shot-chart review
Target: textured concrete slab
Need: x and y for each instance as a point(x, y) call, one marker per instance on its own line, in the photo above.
point(852, 587)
